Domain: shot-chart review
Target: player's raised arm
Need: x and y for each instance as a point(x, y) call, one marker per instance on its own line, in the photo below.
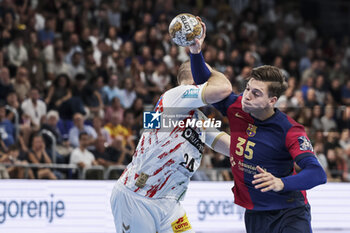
point(218, 86)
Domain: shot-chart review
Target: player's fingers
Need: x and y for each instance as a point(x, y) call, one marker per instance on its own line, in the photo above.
point(271, 187)
point(265, 178)
point(259, 169)
point(262, 175)
point(204, 28)
point(263, 185)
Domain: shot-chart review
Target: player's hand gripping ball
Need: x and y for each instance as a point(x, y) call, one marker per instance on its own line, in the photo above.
point(184, 28)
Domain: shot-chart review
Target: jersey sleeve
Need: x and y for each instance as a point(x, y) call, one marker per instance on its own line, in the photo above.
point(298, 144)
point(223, 105)
point(185, 96)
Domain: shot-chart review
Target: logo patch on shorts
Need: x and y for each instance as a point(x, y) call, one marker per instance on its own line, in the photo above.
point(304, 143)
point(182, 224)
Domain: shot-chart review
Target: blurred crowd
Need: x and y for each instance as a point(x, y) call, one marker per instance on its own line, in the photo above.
point(80, 74)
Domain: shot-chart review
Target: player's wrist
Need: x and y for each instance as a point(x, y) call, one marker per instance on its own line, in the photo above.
point(195, 50)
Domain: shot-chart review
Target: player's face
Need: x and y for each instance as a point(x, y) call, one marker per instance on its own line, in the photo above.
point(256, 97)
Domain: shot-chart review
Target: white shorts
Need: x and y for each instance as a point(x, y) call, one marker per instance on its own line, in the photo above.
point(135, 214)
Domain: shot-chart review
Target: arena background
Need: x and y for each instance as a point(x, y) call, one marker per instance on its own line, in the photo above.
point(99, 64)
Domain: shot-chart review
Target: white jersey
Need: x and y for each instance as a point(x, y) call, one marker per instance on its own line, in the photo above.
point(164, 162)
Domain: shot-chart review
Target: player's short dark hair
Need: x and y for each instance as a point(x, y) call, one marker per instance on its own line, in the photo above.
point(184, 72)
point(81, 134)
point(272, 74)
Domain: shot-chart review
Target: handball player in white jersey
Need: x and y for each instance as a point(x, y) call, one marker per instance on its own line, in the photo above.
point(146, 197)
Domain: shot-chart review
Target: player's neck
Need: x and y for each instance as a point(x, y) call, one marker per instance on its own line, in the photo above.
point(263, 114)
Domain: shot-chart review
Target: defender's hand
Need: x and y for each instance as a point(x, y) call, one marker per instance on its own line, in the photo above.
point(197, 46)
point(266, 181)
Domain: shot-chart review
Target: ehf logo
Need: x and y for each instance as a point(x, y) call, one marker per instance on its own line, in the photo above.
point(151, 120)
point(304, 143)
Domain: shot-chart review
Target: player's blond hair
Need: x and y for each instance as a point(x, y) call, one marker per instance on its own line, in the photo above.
point(184, 72)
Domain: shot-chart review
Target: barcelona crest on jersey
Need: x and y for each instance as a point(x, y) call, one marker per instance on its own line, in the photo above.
point(251, 130)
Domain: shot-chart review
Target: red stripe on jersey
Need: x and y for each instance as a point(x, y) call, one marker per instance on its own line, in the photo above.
point(171, 150)
point(176, 147)
point(166, 143)
point(160, 104)
point(155, 188)
point(162, 155)
point(168, 163)
point(137, 189)
point(136, 175)
point(142, 144)
point(294, 134)
point(239, 122)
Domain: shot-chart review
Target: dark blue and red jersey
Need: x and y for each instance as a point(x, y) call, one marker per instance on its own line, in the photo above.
point(274, 144)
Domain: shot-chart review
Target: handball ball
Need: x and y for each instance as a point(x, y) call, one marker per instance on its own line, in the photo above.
point(184, 28)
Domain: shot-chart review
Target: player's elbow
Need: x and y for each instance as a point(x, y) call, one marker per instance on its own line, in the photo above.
point(224, 90)
point(323, 176)
point(216, 93)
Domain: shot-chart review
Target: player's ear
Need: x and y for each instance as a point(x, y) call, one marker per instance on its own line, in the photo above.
point(273, 101)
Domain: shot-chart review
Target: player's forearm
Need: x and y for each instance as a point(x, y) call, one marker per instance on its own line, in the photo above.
point(200, 71)
point(311, 175)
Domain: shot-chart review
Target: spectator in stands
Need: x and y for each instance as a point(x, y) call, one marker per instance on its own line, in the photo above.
point(36, 69)
point(47, 34)
point(38, 155)
point(7, 130)
point(12, 101)
point(101, 132)
point(34, 107)
point(5, 82)
point(127, 93)
point(80, 127)
point(16, 157)
point(59, 92)
point(327, 120)
point(138, 108)
point(345, 94)
point(109, 155)
point(21, 83)
point(58, 66)
point(161, 77)
point(80, 155)
point(17, 53)
point(316, 118)
point(112, 89)
point(76, 66)
point(112, 39)
point(114, 108)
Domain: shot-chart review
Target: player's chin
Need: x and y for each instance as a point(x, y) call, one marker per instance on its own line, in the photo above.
point(246, 108)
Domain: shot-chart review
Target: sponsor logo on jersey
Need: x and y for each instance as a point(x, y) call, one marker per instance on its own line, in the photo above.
point(304, 143)
point(152, 120)
point(191, 93)
point(193, 137)
point(251, 130)
point(141, 180)
point(181, 225)
point(238, 115)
